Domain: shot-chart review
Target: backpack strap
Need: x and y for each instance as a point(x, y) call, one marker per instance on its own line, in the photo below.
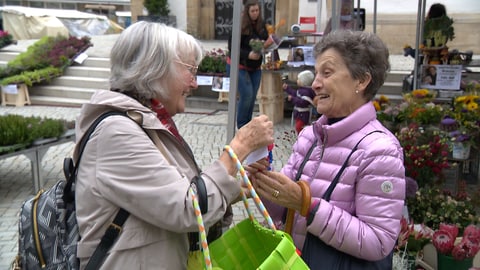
point(70, 170)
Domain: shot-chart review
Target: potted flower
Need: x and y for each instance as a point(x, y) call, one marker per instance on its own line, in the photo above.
point(214, 63)
point(388, 113)
point(411, 240)
point(456, 252)
point(5, 38)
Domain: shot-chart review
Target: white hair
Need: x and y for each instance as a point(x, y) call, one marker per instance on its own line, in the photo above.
point(306, 78)
point(141, 59)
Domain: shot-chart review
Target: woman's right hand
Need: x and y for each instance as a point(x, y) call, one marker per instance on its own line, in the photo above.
point(255, 134)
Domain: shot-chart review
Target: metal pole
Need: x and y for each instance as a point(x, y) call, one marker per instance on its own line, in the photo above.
point(235, 60)
point(335, 17)
point(319, 14)
point(374, 17)
point(420, 16)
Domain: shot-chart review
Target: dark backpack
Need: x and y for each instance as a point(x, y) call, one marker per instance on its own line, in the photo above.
point(48, 230)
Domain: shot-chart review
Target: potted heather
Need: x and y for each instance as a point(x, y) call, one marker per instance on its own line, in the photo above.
point(44, 60)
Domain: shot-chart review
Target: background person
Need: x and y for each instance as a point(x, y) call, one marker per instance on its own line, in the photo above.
point(249, 73)
point(153, 70)
point(301, 98)
point(362, 218)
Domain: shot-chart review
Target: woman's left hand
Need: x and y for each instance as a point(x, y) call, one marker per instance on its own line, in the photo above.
point(278, 188)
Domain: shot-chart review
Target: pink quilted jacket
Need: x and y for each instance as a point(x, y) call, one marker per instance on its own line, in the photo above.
point(364, 212)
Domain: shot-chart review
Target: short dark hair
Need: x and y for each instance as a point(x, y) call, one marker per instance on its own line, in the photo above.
point(436, 11)
point(362, 52)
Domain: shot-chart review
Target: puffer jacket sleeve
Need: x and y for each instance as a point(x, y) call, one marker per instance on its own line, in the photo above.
point(378, 201)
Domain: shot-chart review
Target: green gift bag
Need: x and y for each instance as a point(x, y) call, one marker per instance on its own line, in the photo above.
point(249, 245)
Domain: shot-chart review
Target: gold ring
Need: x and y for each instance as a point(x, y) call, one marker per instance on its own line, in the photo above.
point(275, 193)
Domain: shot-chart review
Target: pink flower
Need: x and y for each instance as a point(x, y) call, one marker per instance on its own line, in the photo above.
point(451, 228)
point(444, 241)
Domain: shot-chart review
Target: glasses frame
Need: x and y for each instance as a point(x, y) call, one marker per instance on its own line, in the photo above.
point(191, 68)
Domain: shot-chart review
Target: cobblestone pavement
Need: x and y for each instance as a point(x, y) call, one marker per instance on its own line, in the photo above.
point(204, 130)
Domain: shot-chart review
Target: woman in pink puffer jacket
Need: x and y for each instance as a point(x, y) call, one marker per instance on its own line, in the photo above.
point(362, 217)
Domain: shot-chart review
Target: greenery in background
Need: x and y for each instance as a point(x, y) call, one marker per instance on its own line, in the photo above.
point(157, 7)
point(13, 130)
point(46, 58)
point(440, 30)
point(17, 129)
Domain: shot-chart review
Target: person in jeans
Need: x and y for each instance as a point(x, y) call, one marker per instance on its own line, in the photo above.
point(249, 73)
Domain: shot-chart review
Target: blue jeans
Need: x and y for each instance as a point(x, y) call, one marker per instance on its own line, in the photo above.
point(248, 84)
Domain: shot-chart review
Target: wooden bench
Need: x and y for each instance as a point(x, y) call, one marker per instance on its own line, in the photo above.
point(35, 153)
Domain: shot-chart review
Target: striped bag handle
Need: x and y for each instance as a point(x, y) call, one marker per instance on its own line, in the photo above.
point(252, 191)
point(256, 199)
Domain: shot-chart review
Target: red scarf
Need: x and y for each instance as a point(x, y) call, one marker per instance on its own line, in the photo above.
point(166, 119)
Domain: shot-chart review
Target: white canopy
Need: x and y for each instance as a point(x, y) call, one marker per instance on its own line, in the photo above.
point(34, 23)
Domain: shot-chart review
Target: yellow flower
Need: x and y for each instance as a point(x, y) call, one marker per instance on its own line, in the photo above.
point(472, 106)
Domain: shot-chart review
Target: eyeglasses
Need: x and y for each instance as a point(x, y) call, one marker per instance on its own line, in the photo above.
point(192, 69)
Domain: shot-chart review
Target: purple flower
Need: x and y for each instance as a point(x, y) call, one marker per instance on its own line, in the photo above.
point(411, 187)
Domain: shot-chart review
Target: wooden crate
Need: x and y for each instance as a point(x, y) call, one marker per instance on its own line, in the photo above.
point(21, 98)
point(272, 107)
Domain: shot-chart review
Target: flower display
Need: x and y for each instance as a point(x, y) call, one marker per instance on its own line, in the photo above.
point(425, 153)
point(444, 240)
point(432, 206)
point(466, 115)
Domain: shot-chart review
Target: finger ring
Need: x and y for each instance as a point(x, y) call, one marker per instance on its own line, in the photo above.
point(275, 193)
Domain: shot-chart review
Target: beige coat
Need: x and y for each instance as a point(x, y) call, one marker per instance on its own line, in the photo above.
point(121, 167)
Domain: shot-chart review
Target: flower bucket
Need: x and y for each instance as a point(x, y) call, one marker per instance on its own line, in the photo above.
point(445, 262)
point(460, 150)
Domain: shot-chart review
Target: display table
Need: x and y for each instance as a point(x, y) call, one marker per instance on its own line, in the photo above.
point(18, 96)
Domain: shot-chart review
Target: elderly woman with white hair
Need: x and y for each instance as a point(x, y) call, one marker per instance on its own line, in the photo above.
point(153, 70)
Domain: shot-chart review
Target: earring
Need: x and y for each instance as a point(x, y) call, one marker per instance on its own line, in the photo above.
point(356, 91)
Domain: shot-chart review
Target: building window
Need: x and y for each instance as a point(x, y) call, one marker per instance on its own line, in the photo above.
point(69, 6)
point(53, 5)
point(35, 4)
point(13, 3)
